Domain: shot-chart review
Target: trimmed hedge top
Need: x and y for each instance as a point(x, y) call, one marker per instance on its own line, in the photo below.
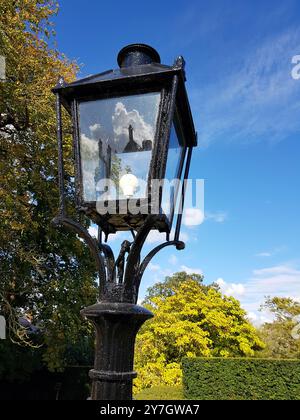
point(241, 379)
point(161, 393)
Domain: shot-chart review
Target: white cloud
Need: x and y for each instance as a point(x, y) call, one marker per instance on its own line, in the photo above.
point(221, 283)
point(236, 290)
point(156, 237)
point(258, 319)
point(253, 317)
point(218, 217)
point(271, 253)
point(190, 270)
point(264, 254)
point(278, 270)
point(154, 267)
point(281, 280)
point(123, 118)
point(231, 289)
point(161, 273)
point(119, 236)
point(193, 217)
point(96, 131)
point(89, 147)
point(257, 101)
point(93, 230)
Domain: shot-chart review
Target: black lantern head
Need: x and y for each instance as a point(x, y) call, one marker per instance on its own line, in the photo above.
point(133, 134)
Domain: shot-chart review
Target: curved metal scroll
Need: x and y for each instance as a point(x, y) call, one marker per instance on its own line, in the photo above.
point(179, 245)
point(134, 257)
point(109, 260)
point(107, 266)
point(91, 242)
point(135, 269)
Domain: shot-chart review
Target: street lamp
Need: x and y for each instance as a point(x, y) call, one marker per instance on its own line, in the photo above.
point(133, 134)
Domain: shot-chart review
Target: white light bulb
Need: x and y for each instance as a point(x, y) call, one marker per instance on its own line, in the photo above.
point(129, 184)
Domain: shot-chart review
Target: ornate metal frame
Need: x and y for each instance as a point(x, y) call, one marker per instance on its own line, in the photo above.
point(116, 284)
point(120, 278)
point(136, 79)
point(116, 316)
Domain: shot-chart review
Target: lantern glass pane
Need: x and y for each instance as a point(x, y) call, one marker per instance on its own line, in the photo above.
point(116, 142)
point(172, 174)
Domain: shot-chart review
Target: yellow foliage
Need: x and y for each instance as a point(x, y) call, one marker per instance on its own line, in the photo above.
point(42, 261)
point(26, 102)
point(194, 321)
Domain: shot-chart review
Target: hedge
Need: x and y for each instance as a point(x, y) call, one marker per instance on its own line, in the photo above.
point(161, 393)
point(24, 376)
point(241, 379)
point(72, 384)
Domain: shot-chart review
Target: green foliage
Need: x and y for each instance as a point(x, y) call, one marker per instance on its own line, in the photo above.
point(17, 363)
point(46, 275)
point(161, 393)
point(191, 320)
point(169, 285)
point(241, 379)
point(73, 384)
point(23, 372)
point(284, 309)
point(278, 335)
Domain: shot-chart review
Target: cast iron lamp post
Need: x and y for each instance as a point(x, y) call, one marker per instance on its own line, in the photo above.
point(132, 127)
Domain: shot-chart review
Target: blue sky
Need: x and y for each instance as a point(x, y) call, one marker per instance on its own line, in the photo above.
point(246, 108)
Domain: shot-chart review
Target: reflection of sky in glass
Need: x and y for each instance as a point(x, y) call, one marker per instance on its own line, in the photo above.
point(173, 161)
point(174, 155)
point(117, 136)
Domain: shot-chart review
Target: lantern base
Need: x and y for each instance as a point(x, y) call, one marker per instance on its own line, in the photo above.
point(117, 325)
point(122, 219)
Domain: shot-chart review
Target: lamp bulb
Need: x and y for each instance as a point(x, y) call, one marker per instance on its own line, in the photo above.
point(129, 184)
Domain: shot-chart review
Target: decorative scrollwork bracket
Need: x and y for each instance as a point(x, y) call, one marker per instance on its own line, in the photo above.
point(120, 279)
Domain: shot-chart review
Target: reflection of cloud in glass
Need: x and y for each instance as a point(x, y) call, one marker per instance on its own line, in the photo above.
point(89, 148)
point(96, 130)
point(90, 163)
point(122, 119)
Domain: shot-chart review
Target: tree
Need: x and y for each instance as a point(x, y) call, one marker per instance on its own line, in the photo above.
point(284, 309)
point(46, 275)
point(169, 286)
point(278, 335)
point(190, 320)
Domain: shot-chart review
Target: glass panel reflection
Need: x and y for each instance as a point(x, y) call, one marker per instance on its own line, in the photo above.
point(172, 171)
point(116, 142)
point(174, 155)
